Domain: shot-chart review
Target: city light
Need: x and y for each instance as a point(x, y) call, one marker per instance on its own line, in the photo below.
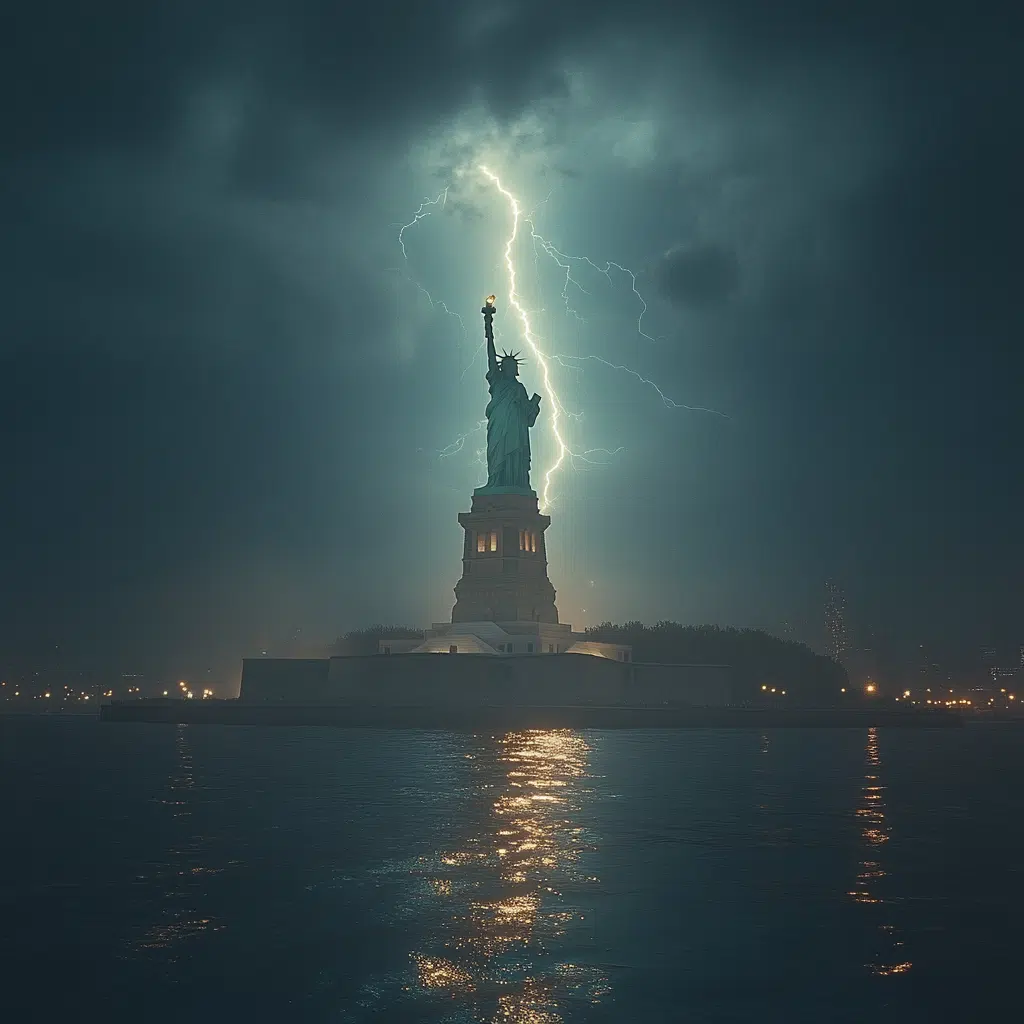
point(870, 688)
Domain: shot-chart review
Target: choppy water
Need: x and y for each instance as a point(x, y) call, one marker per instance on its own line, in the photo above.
point(159, 873)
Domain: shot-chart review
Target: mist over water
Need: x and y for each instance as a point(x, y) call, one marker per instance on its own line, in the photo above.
point(214, 873)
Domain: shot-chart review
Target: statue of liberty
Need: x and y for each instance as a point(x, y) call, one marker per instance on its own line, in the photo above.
point(510, 414)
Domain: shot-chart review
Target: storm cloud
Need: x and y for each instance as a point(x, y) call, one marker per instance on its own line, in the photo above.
point(697, 275)
point(218, 367)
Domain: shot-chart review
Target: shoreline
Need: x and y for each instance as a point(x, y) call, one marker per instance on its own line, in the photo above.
point(516, 717)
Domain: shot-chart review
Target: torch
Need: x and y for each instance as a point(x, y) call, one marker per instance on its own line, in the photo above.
point(488, 312)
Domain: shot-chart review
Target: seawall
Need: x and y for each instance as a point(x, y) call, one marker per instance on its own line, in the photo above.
point(509, 717)
point(537, 680)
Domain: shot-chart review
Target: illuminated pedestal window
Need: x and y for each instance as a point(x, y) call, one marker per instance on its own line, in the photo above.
point(523, 591)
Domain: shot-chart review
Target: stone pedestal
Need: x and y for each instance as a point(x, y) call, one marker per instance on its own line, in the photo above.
point(504, 560)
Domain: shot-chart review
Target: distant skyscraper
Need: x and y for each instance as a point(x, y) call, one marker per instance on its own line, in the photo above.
point(989, 659)
point(837, 642)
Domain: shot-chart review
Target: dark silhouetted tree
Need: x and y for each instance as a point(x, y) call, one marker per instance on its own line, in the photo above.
point(366, 640)
point(756, 657)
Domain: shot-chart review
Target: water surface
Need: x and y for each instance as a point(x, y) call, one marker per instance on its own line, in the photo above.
point(184, 873)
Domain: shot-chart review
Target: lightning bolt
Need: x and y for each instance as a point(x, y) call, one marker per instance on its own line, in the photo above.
point(566, 262)
point(552, 395)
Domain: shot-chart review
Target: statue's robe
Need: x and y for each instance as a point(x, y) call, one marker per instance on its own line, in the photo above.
point(510, 414)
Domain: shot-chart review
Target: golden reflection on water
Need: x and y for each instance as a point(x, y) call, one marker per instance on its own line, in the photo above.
point(179, 878)
point(870, 870)
point(507, 884)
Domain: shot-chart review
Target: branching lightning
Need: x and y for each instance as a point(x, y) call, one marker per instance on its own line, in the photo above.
point(670, 403)
point(422, 211)
point(460, 442)
point(565, 262)
point(558, 413)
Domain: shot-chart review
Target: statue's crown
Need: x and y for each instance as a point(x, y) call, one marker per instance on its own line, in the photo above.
point(514, 356)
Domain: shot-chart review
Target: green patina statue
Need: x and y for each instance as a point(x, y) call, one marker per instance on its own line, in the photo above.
point(510, 414)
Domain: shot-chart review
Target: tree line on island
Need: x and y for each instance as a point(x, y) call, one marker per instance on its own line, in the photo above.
point(357, 642)
point(761, 663)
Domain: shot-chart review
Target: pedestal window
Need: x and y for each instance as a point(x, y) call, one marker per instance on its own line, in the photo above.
point(527, 541)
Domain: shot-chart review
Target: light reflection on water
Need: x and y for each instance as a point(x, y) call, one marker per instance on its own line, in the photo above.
point(512, 889)
point(179, 878)
point(311, 875)
point(889, 959)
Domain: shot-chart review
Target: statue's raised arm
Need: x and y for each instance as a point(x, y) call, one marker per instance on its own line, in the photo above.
point(488, 312)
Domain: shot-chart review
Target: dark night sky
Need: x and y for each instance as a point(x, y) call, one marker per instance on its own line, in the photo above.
point(224, 400)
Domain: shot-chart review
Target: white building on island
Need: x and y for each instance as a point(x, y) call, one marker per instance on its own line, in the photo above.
point(505, 638)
